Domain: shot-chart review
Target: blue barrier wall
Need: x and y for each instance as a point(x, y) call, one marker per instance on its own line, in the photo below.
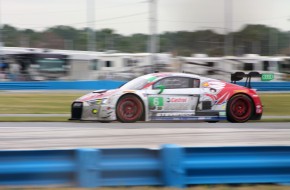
point(44, 167)
point(61, 85)
point(269, 86)
point(106, 84)
point(170, 165)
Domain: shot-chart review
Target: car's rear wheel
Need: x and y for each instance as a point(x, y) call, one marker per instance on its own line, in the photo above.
point(129, 109)
point(240, 108)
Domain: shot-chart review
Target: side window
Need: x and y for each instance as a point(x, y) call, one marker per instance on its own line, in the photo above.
point(210, 64)
point(108, 64)
point(196, 83)
point(248, 66)
point(129, 62)
point(177, 82)
point(94, 64)
point(126, 62)
point(266, 65)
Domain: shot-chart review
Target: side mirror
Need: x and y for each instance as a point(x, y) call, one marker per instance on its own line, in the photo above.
point(161, 88)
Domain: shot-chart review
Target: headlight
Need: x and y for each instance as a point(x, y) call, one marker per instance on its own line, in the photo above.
point(105, 101)
point(97, 101)
point(92, 102)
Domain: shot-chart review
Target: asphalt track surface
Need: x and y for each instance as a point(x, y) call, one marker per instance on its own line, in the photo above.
point(68, 135)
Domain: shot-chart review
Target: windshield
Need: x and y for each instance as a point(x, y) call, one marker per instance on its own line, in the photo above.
point(51, 64)
point(135, 84)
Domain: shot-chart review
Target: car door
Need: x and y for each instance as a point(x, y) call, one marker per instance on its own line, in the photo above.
point(174, 96)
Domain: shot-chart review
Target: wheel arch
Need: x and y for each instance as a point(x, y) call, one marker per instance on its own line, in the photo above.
point(240, 93)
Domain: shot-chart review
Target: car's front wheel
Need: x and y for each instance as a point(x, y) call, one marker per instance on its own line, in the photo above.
point(240, 108)
point(129, 109)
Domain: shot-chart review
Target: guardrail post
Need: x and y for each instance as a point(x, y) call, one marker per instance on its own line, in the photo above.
point(172, 169)
point(88, 174)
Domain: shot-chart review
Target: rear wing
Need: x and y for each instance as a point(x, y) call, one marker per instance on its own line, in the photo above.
point(237, 76)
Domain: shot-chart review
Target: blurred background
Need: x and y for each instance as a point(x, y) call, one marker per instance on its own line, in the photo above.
point(119, 40)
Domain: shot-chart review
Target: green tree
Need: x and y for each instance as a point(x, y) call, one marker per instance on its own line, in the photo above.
point(11, 35)
point(259, 39)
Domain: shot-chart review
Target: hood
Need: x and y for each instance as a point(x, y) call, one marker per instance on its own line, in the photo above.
point(100, 94)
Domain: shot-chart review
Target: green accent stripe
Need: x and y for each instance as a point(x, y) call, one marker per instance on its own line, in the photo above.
point(152, 79)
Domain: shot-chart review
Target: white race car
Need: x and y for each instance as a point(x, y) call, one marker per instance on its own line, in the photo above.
point(170, 96)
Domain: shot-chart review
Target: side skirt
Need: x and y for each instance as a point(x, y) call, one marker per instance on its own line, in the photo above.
point(189, 118)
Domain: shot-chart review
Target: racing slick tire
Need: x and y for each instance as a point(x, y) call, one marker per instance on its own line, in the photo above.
point(129, 109)
point(240, 108)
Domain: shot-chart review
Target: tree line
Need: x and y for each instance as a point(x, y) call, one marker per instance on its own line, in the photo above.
point(257, 39)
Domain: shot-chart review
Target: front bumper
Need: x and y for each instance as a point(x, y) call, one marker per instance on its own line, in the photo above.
point(97, 112)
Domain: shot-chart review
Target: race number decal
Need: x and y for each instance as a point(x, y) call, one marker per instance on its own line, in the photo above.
point(155, 101)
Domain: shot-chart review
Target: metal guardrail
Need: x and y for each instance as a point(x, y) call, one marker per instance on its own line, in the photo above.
point(170, 165)
point(107, 84)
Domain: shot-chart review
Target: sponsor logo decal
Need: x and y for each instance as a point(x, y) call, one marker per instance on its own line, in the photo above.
point(205, 84)
point(177, 100)
point(218, 93)
point(267, 76)
point(174, 114)
point(213, 84)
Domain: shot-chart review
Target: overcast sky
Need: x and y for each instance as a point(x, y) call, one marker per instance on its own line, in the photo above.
point(131, 16)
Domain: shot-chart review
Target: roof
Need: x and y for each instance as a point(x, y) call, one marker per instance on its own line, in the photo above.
point(168, 74)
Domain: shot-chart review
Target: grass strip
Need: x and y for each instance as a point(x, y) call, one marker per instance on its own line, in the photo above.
point(38, 103)
point(34, 119)
point(276, 104)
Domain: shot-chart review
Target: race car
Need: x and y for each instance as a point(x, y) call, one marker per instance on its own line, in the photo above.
point(172, 96)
